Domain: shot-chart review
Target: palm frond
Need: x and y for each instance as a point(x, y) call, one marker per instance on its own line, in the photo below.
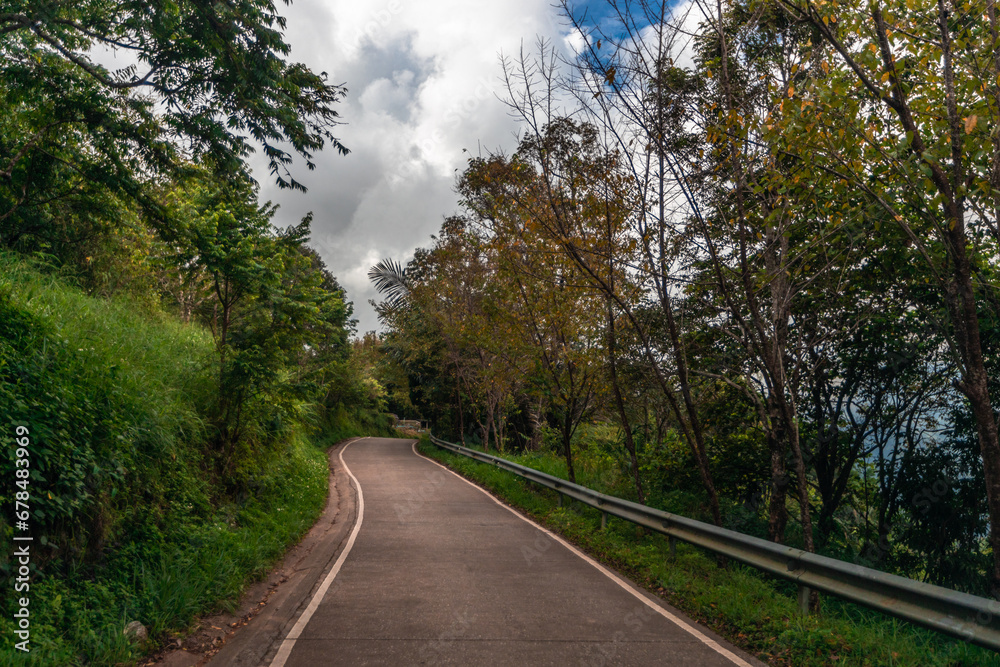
point(390, 281)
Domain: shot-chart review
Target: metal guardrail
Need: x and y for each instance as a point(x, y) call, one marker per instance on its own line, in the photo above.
point(967, 617)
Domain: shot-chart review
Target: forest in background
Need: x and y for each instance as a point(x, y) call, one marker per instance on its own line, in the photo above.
point(745, 252)
point(177, 363)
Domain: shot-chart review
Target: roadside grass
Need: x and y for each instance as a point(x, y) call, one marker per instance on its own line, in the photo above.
point(204, 567)
point(342, 423)
point(757, 613)
point(129, 520)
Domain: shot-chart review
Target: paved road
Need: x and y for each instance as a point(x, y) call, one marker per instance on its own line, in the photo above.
point(439, 573)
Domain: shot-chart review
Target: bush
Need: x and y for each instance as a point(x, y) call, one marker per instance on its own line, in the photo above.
point(130, 520)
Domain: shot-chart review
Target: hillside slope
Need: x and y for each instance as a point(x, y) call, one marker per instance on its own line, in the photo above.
point(129, 518)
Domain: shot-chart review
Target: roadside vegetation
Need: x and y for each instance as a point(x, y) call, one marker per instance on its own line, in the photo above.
point(136, 518)
point(750, 248)
point(176, 363)
point(756, 613)
point(743, 262)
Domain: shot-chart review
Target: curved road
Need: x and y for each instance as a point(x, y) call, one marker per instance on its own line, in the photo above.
point(437, 572)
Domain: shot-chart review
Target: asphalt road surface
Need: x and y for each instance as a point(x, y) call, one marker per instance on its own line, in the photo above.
point(435, 571)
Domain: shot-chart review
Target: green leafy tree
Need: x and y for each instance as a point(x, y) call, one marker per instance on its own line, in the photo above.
point(901, 104)
point(271, 308)
point(217, 70)
point(539, 297)
point(83, 146)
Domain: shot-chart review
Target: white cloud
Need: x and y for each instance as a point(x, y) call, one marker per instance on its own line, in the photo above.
point(423, 79)
point(575, 41)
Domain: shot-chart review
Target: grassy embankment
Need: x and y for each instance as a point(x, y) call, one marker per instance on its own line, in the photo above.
point(130, 519)
point(754, 612)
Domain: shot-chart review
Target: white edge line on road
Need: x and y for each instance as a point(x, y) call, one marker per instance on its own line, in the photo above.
point(708, 641)
point(288, 643)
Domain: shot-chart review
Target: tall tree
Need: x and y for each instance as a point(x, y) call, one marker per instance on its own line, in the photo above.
point(203, 81)
point(922, 145)
point(267, 304)
point(543, 297)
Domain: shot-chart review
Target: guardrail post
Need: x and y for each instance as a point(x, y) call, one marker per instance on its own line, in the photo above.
point(672, 541)
point(604, 520)
point(803, 599)
point(560, 499)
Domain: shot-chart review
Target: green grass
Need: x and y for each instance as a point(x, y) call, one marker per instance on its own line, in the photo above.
point(167, 586)
point(755, 613)
point(129, 518)
point(343, 423)
point(112, 395)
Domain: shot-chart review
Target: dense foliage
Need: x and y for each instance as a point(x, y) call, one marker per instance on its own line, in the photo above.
point(764, 255)
point(177, 361)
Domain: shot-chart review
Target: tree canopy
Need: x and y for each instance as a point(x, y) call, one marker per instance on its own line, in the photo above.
point(201, 80)
point(780, 224)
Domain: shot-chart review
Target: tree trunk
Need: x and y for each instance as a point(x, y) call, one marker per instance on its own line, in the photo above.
point(461, 416)
point(620, 403)
point(535, 416)
point(489, 424)
point(975, 386)
point(567, 437)
point(777, 512)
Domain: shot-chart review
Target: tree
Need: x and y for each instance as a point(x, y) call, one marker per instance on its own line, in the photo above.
point(216, 69)
point(80, 143)
point(567, 153)
point(541, 298)
point(749, 229)
point(439, 314)
point(270, 306)
point(922, 145)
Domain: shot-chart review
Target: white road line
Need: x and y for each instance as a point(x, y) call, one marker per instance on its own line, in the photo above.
point(708, 641)
point(288, 643)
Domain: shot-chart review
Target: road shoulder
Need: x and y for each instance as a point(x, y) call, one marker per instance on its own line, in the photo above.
point(250, 636)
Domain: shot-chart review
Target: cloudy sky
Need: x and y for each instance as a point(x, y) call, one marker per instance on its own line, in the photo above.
point(423, 76)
